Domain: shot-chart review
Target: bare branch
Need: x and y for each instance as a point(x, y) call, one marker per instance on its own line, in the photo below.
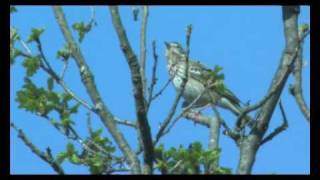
point(142, 120)
point(198, 118)
point(143, 47)
point(89, 124)
point(154, 75)
point(186, 109)
point(251, 143)
point(47, 157)
point(88, 80)
point(162, 89)
point(297, 72)
point(279, 129)
point(125, 122)
point(65, 66)
point(254, 107)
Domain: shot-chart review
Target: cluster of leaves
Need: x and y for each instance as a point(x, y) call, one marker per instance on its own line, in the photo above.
point(64, 53)
point(14, 52)
point(35, 34)
point(32, 63)
point(96, 154)
point(83, 28)
point(193, 160)
point(43, 101)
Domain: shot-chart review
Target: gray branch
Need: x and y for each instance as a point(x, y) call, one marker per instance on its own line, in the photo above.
point(143, 47)
point(297, 87)
point(90, 85)
point(47, 157)
point(279, 129)
point(140, 103)
point(251, 143)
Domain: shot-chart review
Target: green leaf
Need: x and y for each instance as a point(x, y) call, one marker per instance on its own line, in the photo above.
point(96, 133)
point(61, 157)
point(32, 65)
point(82, 29)
point(66, 122)
point(14, 53)
point(13, 9)
point(74, 109)
point(75, 159)
point(53, 97)
point(66, 97)
point(14, 35)
point(64, 53)
point(35, 34)
point(70, 149)
point(50, 83)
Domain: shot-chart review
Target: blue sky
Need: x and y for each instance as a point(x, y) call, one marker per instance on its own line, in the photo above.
point(247, 41)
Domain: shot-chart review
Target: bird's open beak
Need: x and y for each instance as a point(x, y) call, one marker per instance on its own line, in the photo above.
point(167, 44)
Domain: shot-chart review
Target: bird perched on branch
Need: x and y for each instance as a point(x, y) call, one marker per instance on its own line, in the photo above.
point(204, 86)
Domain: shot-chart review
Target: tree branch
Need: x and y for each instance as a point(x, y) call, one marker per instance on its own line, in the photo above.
point(142, 120)
point(214, 137)
point(47, 157)
point(250, 144)
point(88, 80)
point(143, 48)
point(154, 75)
point(279, 129)
point(297, 72)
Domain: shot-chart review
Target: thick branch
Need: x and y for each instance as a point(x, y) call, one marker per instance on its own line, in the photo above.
point(142, 120)
point(47, 157)
point(251, 143)
point(88, 80)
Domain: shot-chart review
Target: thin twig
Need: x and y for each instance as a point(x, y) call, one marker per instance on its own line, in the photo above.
point(47, 157)
point(154, 75)
point(162, 89)
point(50, 71)
point(125, 122)
point(186, 109)
point(65, 66)
point(279, 129)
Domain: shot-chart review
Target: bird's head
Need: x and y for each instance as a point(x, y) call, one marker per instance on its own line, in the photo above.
point(174, 52)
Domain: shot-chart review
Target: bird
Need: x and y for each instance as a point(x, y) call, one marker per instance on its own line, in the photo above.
point(201, 88)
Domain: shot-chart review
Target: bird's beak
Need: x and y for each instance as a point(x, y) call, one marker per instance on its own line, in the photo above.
point(167, 44)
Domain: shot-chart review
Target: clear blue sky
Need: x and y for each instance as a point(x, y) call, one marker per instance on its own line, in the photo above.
point(247, 41)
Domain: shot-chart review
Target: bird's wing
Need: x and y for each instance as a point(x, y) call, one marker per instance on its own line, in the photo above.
point(199, 72)
point(202, 74)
